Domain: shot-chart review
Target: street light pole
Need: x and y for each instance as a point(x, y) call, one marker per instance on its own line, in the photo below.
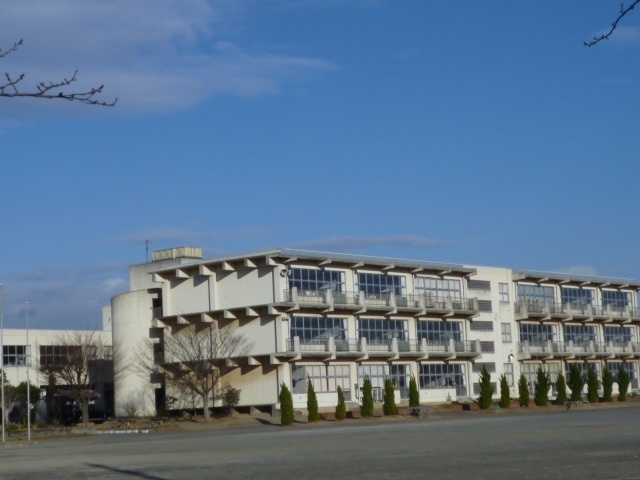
point(28, 381)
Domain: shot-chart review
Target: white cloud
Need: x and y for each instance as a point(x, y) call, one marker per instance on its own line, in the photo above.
point(154, 55)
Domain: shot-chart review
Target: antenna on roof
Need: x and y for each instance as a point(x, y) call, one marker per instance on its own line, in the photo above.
point(146, 248)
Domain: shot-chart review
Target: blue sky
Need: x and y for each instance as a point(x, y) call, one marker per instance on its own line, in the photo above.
point(467, 132)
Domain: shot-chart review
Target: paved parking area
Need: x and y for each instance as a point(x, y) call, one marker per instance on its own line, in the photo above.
point(581, 444)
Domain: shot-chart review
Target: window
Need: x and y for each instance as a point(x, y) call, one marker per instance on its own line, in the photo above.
point(377, 283)
point(583, 367)
point(618, 335)
point(504, 292)
point(437, 376)
point(508, 372)
point(309, 280)
point(536, 333)
point(481, 326)
point(324, 378)
point(615, 298)
point(438, 331)
point(614, 367)
point(477, 367)
point(579, 334)
point(577, 296)
point(487, 347)
point(317, 329)
point(14, 355)
point(530, 371)
point(506, 332)
point(479, 284)
point(399, 375)
point(379, 331)
point(536, 293)
point(437, 287)
point(55, 354)
point(485, 306)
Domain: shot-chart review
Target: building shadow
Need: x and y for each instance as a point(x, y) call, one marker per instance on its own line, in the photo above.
point(130, 473)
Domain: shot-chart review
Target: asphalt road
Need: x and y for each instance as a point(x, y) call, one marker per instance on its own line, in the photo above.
point(581, 444)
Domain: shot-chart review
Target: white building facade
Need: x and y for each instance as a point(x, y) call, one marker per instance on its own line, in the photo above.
point(336, 318)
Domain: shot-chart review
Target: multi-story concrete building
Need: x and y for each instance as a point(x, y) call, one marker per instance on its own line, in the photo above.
point(336, 318)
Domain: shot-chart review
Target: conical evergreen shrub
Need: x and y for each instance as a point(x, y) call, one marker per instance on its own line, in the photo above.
point(576, 382)
point(505, 395)
point(623, 380)
point(389, 407)
point(312, 403)
point(486, 389)
point(367, 398)
point(341, 408)
point(414, 393)
point(561, 385)
point(286, 405)
point(542, 384)
point(592, 385)
point(523, 391)
point(607, 385)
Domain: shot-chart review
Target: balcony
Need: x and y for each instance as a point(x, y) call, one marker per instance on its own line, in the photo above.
point(333, 348)
point(565, 312)
point(548, 349)
point(385, 302)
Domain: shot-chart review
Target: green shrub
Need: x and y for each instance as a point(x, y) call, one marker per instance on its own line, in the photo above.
point(523, 391)
point(312, 403)
point(367, 398)
point(341, 408)
point(561, 385)
point(576, 382)
point(505, 394)
point(592, 385)
point(486, 390)
point(389, 406)
point(607, 385)
point(542, 384)
point(286, 405)
point(414, 393)
point(623, 383)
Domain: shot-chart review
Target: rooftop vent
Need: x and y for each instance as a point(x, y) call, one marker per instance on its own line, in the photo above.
point(180, 252)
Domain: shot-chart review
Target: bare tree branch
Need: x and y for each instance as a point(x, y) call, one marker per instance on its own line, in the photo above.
point(194, 360)
point(51, 90)
point(623, 11)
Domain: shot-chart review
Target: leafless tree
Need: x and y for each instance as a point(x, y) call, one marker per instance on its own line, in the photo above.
point(195, 359)
point(623, 11)
point(11, 87)
point(80, 361)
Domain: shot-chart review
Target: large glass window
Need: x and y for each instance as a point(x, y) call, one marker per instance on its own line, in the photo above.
point(630, 367)
point(508, 372)
point(381, 331)
point(54, 354)
point(441, 375)
point(536, 293)
point(504, 292)
point(439, 331)
point(311, 282)
point(618, 335)
point(324, 378)
point(583, 367)
point(577, 296)
point(506, 332)
point(437, 287)
point(536, 333)
point(14, 355)
point(579, 334)
point(530, 372)
point(615, 298)
point(377, 283)
point(315, 329)
point(399, 375)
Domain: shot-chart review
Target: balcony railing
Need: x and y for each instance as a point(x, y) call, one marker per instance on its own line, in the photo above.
point(534, 308)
